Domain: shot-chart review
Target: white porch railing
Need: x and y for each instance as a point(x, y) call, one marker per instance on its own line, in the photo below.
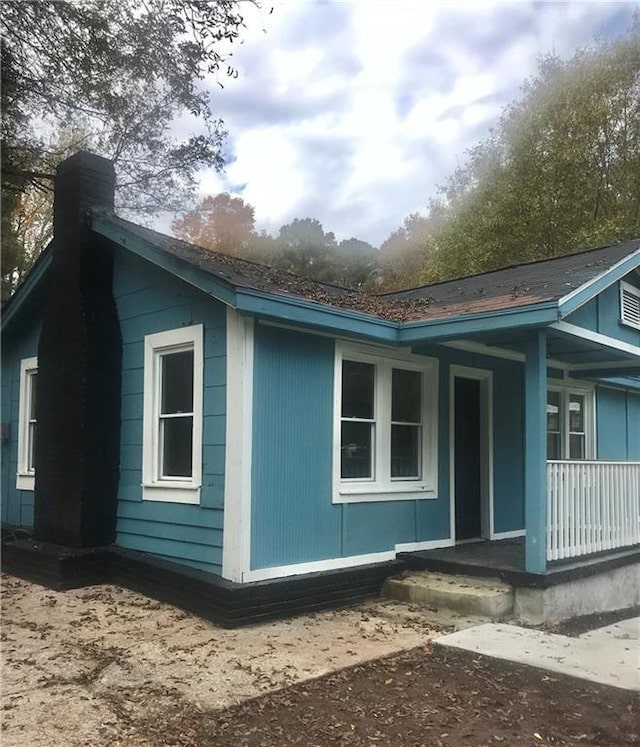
point(591, 506)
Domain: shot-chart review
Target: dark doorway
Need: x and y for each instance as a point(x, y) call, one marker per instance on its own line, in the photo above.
point(467, 459)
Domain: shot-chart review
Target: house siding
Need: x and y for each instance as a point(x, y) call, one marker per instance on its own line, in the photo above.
point(17, 505)
point(293, 519)
point(602, 314)
point(618, 424)
point(150, 300)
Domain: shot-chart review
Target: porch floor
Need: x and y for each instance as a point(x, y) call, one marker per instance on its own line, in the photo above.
point(504, 559)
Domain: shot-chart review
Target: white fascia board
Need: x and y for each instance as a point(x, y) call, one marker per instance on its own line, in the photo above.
point(579, 296)
point(595, 337)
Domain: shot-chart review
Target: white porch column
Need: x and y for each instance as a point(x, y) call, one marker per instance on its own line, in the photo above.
point(535, 453)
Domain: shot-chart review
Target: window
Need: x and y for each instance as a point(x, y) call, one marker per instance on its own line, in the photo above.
point(27, 424)
point(172, 441)
point(385, 425)
point(630, 305)
point(569, 419)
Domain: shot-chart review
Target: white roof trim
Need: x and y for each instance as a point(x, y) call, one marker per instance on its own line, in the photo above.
point(598, 277)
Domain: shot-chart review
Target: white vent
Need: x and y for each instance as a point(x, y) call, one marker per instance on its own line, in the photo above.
point(630, 305)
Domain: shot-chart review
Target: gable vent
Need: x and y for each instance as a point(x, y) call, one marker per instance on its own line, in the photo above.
point(630, 305)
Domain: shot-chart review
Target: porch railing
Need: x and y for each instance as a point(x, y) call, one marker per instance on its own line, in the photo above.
point(591, 506)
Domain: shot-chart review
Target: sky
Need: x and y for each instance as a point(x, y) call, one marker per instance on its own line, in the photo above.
point(354, 111)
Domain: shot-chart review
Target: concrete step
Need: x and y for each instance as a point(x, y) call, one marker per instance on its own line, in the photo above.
point(483, 597)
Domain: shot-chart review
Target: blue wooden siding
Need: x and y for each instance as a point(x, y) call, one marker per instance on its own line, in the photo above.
point(618, 424)
point(150, 300)
point(602, 314)
point(293, 519)
point(17, 505)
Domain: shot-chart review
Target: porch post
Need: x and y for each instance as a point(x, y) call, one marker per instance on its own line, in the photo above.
point(535, 453)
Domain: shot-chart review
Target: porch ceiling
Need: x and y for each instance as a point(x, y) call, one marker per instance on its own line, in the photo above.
point(585, 357)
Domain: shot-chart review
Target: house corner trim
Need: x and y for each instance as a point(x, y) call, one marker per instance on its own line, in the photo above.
point(236, 551)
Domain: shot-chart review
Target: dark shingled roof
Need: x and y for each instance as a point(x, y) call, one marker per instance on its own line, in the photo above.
point(519, 285)
point(242, 273)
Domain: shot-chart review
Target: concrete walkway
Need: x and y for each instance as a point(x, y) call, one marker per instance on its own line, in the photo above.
point(609, 656)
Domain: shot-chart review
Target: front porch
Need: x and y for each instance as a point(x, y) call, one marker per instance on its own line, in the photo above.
point(581, 445)
point(505, 559)
point(601, 582)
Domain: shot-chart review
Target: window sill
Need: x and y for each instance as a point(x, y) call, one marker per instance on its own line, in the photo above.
point(25, 482)
point(171, 493)
point(371, 493)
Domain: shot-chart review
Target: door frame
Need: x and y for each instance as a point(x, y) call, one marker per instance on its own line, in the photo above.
point(485, 377)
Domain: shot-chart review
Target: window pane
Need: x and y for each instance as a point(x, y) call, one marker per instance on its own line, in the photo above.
point(406, 396)
point(553, 446)
point(576, 413)
point(356, 450)
point(405, 450)
point(177, 440)
point(33, 378)
point(177, 382)
point(553, 412)
point(357, 389)
point(31, 456)
point(576, 446)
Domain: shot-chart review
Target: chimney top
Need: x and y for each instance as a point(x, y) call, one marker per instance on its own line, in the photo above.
point(84, 181)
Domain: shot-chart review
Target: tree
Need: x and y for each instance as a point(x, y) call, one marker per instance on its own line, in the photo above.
point(123, 72)
point(304, 248)
point(227, 224)
point(27, 220)
point(356, 262)
point(222, 223)
point(403, 254)
point(560, 172)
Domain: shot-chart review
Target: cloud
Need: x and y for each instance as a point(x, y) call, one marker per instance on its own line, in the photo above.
point(353, 112)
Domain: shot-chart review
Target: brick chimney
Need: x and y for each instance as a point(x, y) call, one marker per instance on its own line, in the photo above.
point(79, 368)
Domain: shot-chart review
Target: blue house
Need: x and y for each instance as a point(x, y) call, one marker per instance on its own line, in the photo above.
point(244, 442)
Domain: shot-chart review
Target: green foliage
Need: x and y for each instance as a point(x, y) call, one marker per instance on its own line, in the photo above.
point(356, 263)
point(121, 73)
point(560, 172)
point(404, 254)
point(305, 249)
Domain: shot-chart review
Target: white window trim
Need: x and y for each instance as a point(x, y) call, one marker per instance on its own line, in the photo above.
point(25, 477)
point(632, 290)
point(383, 488)
point(154, 487)
point(567, 387)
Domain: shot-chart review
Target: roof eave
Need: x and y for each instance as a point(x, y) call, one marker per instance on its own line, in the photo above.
point(31, 283)
point(536, 315)
point(296, 310)
point(589, 290)
point(180, 268)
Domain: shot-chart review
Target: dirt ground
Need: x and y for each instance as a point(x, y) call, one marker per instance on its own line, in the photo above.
point(421, 698)
point(105, 666)
point(83, 667)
